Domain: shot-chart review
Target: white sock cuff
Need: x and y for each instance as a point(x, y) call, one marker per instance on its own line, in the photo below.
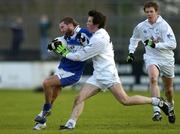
point(171, 103)
point(155, 101)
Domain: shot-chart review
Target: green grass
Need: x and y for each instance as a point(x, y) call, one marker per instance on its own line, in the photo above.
point(102, 115)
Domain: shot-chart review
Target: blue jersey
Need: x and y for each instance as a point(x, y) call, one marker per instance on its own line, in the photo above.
point(76, 67)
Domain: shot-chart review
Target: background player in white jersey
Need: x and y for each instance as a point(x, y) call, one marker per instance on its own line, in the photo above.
point(68, 71)
point(159, 41)
point(105, 74)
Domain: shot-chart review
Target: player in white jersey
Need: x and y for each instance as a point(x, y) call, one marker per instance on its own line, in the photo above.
point(159, 41)
point(68, 71)
point(105, 74)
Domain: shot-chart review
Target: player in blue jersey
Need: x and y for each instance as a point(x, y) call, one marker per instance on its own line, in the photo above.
point(68, 71)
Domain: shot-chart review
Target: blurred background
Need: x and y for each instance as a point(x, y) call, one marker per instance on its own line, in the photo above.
point(26, 26)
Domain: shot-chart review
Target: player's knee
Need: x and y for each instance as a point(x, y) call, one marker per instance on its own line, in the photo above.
point(125, 101)
point(45, 83)
point(153, 80)
point(77, 100)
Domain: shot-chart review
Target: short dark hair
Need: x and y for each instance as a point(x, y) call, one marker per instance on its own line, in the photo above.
point(69, 20)
point(151, 4)
point(98, 18)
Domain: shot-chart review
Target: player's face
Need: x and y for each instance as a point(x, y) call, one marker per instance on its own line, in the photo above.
point(91, 27)
point(66, 29)
point(151, 14)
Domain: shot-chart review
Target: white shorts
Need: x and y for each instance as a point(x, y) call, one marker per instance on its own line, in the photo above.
point(166, 67)
point(103, 82)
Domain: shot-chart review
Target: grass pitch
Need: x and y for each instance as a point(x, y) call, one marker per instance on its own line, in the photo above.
point(102, 115)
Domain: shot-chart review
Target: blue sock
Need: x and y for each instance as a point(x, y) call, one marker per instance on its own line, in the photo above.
point(46, 107)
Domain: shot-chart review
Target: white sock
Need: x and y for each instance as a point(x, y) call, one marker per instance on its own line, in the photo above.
point(41, 113)
point(171, 105)
point(155, 101)
point(156, 109)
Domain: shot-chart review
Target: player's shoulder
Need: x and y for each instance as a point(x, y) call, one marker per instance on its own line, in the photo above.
point(141, 24)
point(163, 24)
point(101, 35)
point(85, 31)
point(79, 29)
point(163, 21)
point(82, 29)
point(101, 32)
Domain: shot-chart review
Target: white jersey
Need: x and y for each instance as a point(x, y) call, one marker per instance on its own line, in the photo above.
point(160, 31)
point(100, 49)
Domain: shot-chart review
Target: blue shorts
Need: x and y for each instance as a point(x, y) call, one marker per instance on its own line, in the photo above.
point(67, 78)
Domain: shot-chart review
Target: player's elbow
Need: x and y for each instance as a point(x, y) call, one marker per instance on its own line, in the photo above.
point(80, 58)
point(74, 57)
point(174, 46)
